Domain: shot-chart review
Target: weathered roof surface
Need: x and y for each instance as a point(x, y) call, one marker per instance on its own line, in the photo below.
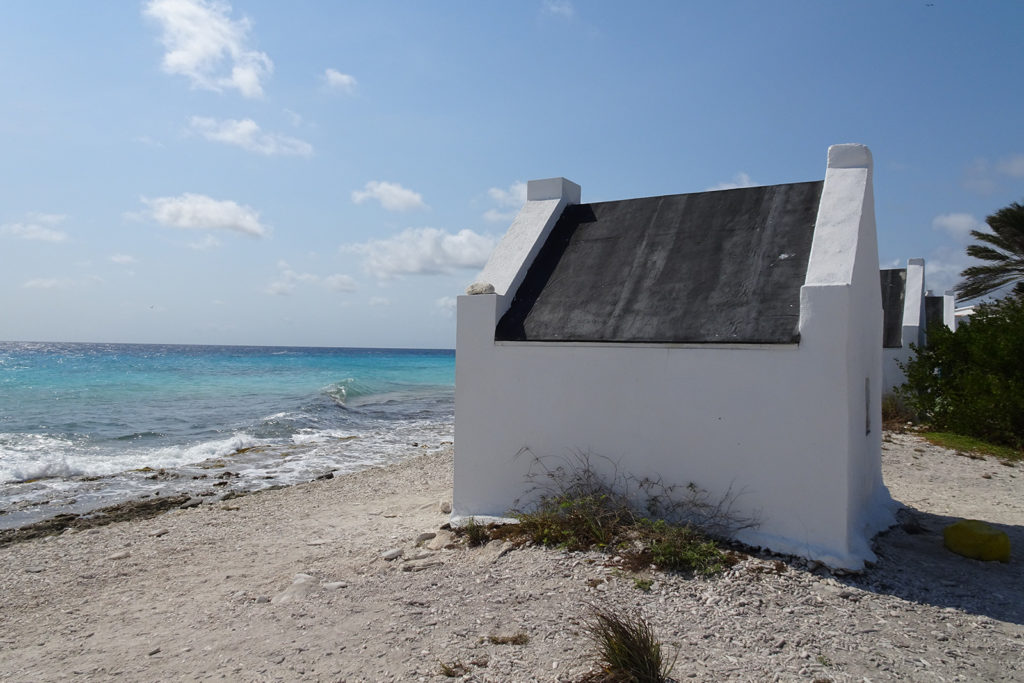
point(709, 267)
point(933, 313)
point(894, 288)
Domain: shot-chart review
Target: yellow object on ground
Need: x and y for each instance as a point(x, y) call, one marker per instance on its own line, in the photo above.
point(978, 540)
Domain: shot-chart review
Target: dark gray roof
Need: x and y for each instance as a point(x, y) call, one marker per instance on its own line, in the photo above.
point(933, 306)
point(709, 267)
point(894, 288)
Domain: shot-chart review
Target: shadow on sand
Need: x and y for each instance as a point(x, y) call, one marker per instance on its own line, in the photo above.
point(913, 564)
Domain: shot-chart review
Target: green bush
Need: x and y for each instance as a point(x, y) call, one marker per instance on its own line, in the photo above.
point(972, 381)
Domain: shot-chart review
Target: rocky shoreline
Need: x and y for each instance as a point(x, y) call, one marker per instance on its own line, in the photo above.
point(293, 584)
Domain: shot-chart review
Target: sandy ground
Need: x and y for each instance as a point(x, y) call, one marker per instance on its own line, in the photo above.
point(292, 585)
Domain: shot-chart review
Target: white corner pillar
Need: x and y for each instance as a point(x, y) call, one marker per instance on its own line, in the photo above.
point(949, 309)
point(913, 304)
point(841, 329)
point(505, 270)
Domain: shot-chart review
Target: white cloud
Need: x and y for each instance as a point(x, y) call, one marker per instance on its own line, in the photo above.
point(377, 301)
point(146, 140)
point(34, 230)
point(47, 283)
point(391, 196)
point(957, 225)
point(288, 279)
point(199, 212)
point(246, 133)
point(424, 251)
point(340, 283)
point(942, 269)
point(983, 176)
point(336, 80)
point(512, 198)
point(37, 226)
point(1012, 166)
point(123, 259)
point(205, 45)
point(447, 305)
point(741, 179)
point(561, 8)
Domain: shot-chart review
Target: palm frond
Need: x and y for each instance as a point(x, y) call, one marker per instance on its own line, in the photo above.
point(1008, 223)
point(984, 253)
point(1003, 248)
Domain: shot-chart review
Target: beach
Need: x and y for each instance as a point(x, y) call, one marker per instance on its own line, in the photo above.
point(293, 584)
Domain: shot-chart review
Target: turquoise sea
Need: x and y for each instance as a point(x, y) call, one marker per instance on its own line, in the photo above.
point(87, 425)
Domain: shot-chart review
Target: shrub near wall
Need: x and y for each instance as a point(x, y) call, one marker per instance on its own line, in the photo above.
point(972, 381)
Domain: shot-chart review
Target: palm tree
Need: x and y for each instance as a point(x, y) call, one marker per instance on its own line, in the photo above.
point(1003, 248)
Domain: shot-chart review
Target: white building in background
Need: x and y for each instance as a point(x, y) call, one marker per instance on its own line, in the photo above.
point(908, 311)
point(725, 338)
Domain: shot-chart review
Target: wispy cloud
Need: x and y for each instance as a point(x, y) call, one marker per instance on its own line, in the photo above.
point(335, 80)
point(741, 179)
point(942, 268)
point(560, 8)
point(378, 302)
point(957, 225)
point(1012, 166)
point(39, 227)
point(199, 212)
point(446, 304)
point(148, 141)
point(47, 283)
point(509, 201)
point(123, 259)
point(984, 176)
point(289, 279)
point(424, 251)
point(391, 196)
point(340, 283)
point(204, 44)
point(247, 134)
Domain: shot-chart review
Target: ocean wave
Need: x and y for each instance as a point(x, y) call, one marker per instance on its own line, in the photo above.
point(345, 390)
point(54, 469)
point(137, 436)
point(217, 448)
point(311, 436)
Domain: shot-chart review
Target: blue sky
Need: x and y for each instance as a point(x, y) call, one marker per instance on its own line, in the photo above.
point(257, 172)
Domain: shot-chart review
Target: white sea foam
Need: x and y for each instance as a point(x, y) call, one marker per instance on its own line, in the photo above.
point(306, 437)
point(189, 455)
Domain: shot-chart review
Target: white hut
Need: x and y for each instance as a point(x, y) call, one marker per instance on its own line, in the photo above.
point(725, 338)
point(908, 311)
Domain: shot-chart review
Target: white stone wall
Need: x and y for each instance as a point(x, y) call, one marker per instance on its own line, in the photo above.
point(914, 331)
point(793, 430)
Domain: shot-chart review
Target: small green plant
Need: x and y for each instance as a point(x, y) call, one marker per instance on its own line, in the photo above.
point(578, 509)
point(674, 548)
point(476, 533)
point(824, 661)
point(643, 584)
point(627, 649)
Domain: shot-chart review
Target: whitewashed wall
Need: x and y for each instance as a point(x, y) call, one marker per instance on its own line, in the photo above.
point(913, 327)
point(793, 429)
